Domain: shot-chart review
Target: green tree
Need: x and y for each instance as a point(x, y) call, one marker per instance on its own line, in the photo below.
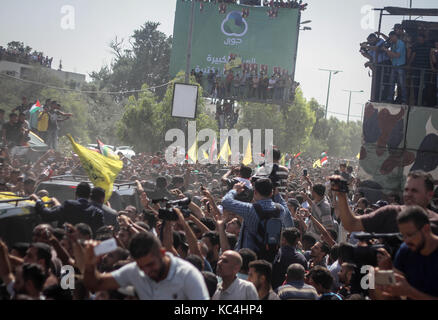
point(137, 126)
point(291, 124)
point(16, 45)
point(145, 121)
point(146, 61)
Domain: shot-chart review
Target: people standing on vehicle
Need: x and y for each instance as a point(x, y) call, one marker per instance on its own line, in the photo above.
point(97, 199)
point(43, 122)
point(55, 116)
point(73, 211)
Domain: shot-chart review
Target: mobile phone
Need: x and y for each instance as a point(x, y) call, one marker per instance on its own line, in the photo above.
point(305, 172)
point(384, 277)
point(105, 247)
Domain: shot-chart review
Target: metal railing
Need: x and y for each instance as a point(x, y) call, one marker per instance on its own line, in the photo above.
point(421, 85)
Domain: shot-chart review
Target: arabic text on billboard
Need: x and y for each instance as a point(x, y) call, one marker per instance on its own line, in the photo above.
point(232, 39)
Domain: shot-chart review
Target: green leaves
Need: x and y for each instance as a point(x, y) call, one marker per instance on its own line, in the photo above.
point(145, 121)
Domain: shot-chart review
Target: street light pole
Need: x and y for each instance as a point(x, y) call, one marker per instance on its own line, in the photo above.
point(349, 102)
point(189, 56)
point(363, 108)
point(329, 83)
point(189, 44)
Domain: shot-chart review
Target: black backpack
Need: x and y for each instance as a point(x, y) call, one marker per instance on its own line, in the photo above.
point(269, 231)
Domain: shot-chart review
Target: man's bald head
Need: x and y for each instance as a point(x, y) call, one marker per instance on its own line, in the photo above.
point(235, 258)
point(229, 264)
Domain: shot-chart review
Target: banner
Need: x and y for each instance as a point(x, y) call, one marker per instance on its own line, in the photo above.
point(101, 170)
point(233, 40)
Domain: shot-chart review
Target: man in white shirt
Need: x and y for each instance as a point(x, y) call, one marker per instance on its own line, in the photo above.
point(155, 274)
point(233, 288)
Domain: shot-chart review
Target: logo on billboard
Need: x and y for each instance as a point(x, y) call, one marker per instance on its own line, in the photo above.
point(234, 25)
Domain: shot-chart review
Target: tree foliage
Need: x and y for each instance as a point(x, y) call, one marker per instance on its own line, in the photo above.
point(142, 119)
point(292, 124)
point(145, 61)
point(145, 121)
point(301, 127)
point(337, 137)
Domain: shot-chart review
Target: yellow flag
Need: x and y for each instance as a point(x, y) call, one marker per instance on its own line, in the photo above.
point(193, 152)
point(101, 170)
point(247, 159)
point(283, 160)
point(6, 195)
point(225, 151)
point(235, 63)
point(358, 156)
point(205, 154)
point(317, 164)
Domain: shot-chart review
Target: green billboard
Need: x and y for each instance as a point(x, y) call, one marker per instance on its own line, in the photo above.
point(233, 36)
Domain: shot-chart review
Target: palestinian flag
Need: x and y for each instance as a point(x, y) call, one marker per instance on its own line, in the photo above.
point(324, 160)
point(36, 107)
point(297, 155)
point(106, 151)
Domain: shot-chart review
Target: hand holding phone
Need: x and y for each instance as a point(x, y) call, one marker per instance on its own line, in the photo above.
point(105, 247)
point(384, 277)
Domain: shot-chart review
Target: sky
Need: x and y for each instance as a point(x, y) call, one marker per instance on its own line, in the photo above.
point(338, 26)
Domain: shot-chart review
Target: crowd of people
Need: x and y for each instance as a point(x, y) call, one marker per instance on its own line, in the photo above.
point(43, 121)
point(272, 3)
point(20, 56)
point(409, 61)
point(246, 233)
point(248, 85)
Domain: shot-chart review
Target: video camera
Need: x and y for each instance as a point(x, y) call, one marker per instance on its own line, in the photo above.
point(387, 44)
point(339, 184)
point(263, 174)
point(368, 255)
point(168, 213)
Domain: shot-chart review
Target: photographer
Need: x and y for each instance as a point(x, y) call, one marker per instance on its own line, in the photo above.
point(276, 172)
point(418, 191)
point(243, 175)
point(250, 236)
point(373, 50)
